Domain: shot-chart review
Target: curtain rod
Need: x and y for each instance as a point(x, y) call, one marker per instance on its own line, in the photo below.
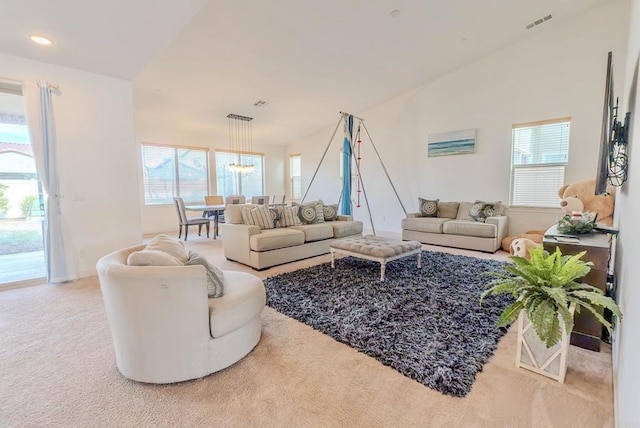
point(53, 86)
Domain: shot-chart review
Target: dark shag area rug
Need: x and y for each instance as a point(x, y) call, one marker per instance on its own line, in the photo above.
point(426, 323)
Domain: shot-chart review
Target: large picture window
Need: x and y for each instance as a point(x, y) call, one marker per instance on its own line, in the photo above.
point(540, 152)
point(170, 171)
point(230, 182)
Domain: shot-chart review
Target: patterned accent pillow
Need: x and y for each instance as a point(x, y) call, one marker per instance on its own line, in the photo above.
point(476, 213)
point(275, 214)
point(289, 216)
point(311, 212)
point(258, 216)
point(493, 209)
point(330, 212)
point(215, 276)
point(428, 207)
point(481, 210)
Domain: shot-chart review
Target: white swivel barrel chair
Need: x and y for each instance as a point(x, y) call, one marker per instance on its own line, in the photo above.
point(164, 327)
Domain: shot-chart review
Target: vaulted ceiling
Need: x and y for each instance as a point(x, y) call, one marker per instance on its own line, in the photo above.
point(194, 61)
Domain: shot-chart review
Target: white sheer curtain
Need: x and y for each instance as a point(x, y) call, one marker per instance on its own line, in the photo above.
point(59, 255)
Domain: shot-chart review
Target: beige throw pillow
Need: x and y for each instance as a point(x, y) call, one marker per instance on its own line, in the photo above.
point(170, 246)
point(448, 209)
point(152, 258)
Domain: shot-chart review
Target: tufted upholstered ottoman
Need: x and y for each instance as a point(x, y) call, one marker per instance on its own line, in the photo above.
point(375, 248)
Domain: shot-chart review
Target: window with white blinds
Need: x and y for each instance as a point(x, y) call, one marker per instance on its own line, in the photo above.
point(295, 176)
point(540, 152)
point(230, 182)
point(170, 171)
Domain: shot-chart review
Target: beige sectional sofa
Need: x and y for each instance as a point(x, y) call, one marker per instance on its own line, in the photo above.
point(456, 229)
point(263, 248)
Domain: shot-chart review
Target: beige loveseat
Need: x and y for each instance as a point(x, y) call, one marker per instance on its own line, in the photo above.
point(453, 227)
point(263, 248)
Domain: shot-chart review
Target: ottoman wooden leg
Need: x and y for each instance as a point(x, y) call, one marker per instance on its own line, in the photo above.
point(382, 268)
point(333, 259)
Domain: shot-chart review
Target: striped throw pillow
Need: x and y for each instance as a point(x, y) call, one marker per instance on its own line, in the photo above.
point(289, 216)
point(258, 216)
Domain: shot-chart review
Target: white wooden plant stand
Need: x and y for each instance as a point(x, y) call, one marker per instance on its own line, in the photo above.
point(532, 354)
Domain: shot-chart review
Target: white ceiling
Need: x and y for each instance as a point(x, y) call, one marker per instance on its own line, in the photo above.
point(113, 37)
point(195, 61)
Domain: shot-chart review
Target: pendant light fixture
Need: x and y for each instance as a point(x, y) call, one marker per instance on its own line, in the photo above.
point(240, 142)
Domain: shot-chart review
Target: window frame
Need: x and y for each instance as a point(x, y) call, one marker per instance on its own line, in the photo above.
point(176, 183)
point(540, 165)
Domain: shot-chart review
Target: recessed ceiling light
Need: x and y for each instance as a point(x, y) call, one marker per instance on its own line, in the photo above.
point(41, 40)
point(394, 13)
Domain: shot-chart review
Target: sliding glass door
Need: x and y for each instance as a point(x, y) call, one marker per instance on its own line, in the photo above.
point(21, 198)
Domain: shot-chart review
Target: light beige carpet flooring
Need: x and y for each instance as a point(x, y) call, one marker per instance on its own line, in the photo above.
point(57, 369)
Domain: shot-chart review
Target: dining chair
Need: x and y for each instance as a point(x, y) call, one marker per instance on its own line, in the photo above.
point(235, 199)
point(260, 200)
point(186, 221)
point(277, 200)
point(212, 200)
point(218, 216)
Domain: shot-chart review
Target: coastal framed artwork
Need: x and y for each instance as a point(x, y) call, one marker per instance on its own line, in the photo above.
point(452, 143)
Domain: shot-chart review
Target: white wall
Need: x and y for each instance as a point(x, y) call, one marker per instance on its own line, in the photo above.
point(96, 154)
point(163, 218)
point(556, 73)
point(626, 349)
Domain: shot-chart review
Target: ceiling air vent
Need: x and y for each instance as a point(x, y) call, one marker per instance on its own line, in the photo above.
point(538, 22)
point(260, 103)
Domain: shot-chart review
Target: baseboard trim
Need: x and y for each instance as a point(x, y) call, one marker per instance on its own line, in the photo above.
point(21, 284)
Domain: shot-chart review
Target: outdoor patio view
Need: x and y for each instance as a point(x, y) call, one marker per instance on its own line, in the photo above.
point(21, 215)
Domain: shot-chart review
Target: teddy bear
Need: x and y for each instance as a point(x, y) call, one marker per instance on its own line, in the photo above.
point(580, 196)
point(531, 235)
point(520, 247)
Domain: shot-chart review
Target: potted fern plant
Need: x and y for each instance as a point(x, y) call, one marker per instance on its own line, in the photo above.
point(547, 293)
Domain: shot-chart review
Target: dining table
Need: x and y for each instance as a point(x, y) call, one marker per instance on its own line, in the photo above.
point(215, 209)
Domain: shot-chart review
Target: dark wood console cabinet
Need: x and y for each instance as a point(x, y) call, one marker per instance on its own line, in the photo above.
point(587, 331)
